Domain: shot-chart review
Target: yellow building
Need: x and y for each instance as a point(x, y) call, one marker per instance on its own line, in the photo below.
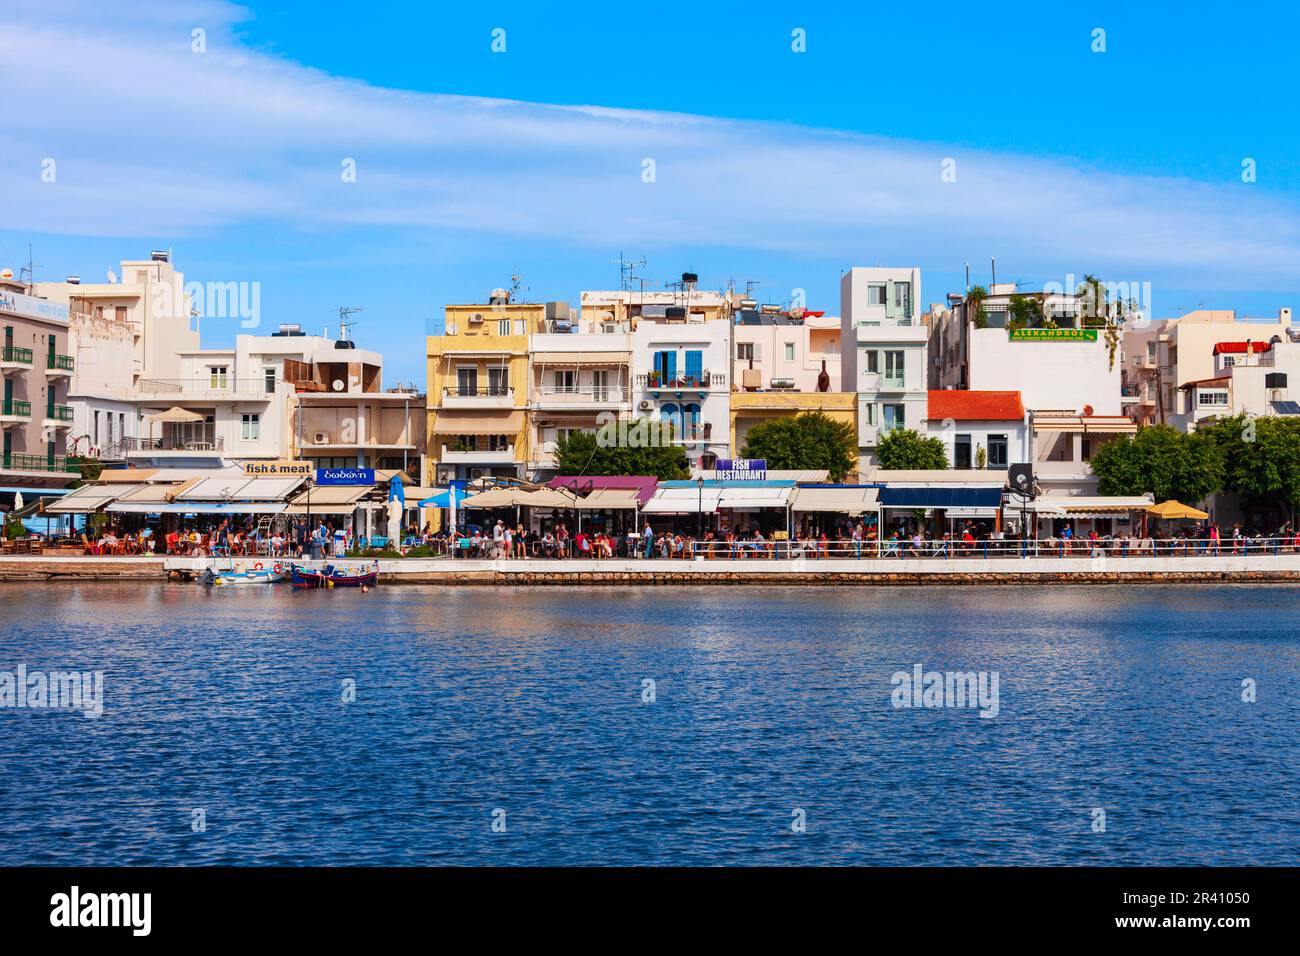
point(478, 389)
point(750, 408)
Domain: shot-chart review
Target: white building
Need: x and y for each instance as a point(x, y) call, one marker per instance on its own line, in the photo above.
point(1251, 377)
point(679, 375)
point(979, 429)
point(883, 352)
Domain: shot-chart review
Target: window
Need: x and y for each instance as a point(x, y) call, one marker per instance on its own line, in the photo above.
point(1229, 361)
point(894, 417)
point(217, 376)
point(744, 350)
point(95, 433)
point(876, 294)
point(498, 381)
point(873, 362)
point(466, 381)
point(871, 414)
point(894, 367)
point(270, 380)
point(997, 451)
point(789, 351)
point(1085, 448)
point(665, 367)
point(1211, 398)
point(521, 327)
point(498, 443)
point(251, 429)
point(503, 327)
point(564, 382)
point(903, 298)
point(600, 387)
point(961, 452)
point(694, 367)
point(120, 313)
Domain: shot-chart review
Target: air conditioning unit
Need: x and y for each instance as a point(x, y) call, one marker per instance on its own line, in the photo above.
point(645, 405)
point(476, 318)
point(320, 438)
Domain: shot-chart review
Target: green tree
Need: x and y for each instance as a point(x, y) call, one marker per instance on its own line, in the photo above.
point(1026, 312)
point(904, 448)
point(1261, 458)
point(1162, 461)
point(640, 447)
point(975, 306)
point(807, 441)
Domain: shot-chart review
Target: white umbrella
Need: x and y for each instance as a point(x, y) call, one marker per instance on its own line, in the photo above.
point(18, 501)
point(175, 414)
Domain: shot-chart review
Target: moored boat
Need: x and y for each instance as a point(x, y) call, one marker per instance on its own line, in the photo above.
point(254, 574)
point(335, 576)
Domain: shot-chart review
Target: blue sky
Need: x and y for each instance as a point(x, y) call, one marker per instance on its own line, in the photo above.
point(771, 165)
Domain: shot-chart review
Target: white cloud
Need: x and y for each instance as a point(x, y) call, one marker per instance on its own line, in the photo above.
point(154, 140)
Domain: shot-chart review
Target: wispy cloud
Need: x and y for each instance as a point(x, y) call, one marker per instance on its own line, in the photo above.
point(152, 139)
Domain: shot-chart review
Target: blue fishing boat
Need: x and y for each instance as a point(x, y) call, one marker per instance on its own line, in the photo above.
point(256, 573)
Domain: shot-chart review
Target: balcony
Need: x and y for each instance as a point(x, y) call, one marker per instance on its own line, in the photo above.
point(458, 396)
point(196, 443)
point(483, 456)
point(204, 388)
point(15, 359)
point(580, 396)
point(1130, 391)
point(14, 412)
point(48, 463)
point(58, 416)
point(59, 366)
point(705, 381)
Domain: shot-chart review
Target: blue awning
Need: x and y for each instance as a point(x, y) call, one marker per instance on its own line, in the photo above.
point(941, 498)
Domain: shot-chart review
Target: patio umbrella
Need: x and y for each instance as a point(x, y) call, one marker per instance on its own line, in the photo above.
point(397, 490)
point(18, 501)
point(1176, 509)
point(176, 415)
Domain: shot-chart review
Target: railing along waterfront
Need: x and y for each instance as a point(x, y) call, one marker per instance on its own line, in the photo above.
point(1065, 549)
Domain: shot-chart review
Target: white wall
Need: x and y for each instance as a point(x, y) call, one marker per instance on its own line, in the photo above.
point(1049, 375)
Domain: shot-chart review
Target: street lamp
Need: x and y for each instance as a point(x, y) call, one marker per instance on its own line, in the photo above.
point(699, 509)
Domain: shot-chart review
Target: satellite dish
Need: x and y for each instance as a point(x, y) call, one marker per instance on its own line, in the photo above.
point(112, 276)
point(338, 385)
point(6, 274)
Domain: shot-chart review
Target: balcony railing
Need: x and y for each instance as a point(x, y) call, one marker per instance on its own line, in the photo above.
point(206, 386)
point(466, 391)
point(11, 407)
point(581, 393)
point(59, 363)
point(59, 413)
point(16, 354)
point(55, 463)
point(655, 381)
point(1130, 391)
point(171, 443)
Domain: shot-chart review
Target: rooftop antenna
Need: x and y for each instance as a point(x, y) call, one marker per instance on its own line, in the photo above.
point(28, 270)
point(515, 287)
point(627, 271)
point(344, 323)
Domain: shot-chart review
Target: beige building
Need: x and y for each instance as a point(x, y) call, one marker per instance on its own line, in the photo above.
point(35, 416)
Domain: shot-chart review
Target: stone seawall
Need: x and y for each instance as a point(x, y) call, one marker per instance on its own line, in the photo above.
point(50, 568)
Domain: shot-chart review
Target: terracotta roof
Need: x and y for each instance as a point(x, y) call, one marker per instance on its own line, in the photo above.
point(1223, 381)
point(968, 406)
point(1239, 348)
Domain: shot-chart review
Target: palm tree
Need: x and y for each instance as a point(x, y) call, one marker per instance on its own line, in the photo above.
point(975, 298)
point(1095, 296)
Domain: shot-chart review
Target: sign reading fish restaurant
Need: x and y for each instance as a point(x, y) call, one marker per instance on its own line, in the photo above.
point(1053, 335)
point(278, 469)
point(345, 476)
point(742, 469)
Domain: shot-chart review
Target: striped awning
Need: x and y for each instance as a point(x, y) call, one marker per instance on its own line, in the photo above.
point(838, 499)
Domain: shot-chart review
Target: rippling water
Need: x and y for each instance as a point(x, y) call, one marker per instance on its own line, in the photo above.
point(530, 701)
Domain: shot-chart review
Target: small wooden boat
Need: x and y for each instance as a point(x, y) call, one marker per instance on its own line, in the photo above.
point(331, 576)
point(255, 574)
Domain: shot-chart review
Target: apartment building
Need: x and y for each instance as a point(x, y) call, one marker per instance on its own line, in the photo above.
point(579, 374)
point(883, 353)
point(1251, 377)
point(35, 416)
point(478, 373)
point(1160, 361)
point(130, 328)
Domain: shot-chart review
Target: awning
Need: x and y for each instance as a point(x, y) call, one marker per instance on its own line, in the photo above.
point(128, 475)
point(89, 499)
point(581, 358)
point(328, 499)
point(1084, 506)
point(199, 508)
point(486, 422)
point(769, 497)
point(683, 501)
point(493, 498)
point(613, 499)
point(941, 497)
point(842, 500)
point(241, 489)
point(153, 494)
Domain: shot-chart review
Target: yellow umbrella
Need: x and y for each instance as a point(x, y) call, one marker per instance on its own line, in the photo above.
point(1176, 509)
